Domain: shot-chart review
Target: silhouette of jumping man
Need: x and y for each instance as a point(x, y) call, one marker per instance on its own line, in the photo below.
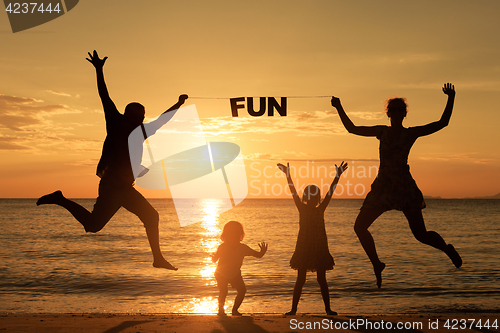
point(394, 187)
point(116, 188)
point(311, 251)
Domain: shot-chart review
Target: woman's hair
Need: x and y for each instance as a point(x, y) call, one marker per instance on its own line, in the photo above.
point(233, 231)
point(396, 105)
point(311, 195)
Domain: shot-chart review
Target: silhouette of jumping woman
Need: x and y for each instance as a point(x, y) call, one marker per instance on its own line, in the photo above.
point(116, 188)
point(230, 255)
point(394, 187)
point(311, 251)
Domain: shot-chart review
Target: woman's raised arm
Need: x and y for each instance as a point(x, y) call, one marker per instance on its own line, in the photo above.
point(449, 90)
point(349, 125)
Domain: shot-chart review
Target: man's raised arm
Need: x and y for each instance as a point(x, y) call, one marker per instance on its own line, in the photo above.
point(182, 99)
point(108, 105)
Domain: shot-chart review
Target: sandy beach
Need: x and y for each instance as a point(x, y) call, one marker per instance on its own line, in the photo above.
point(182, 323)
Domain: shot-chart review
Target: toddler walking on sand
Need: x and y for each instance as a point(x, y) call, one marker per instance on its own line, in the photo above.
point(230, 255)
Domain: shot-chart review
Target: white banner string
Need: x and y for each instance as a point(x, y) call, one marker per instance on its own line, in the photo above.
point(196, 97)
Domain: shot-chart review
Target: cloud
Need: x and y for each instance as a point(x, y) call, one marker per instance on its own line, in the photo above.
point(84, 163)
point(30, 120)
point(301, 157)
point(58, 93)
point(368, 115)
point(11, 143)
point(21, 113)
point(316, 123)
point(465, 158)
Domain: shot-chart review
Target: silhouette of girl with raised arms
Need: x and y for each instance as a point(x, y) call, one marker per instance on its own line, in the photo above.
point(311, 251)
point(230, 255)
point(394, 187)
point(116, 188)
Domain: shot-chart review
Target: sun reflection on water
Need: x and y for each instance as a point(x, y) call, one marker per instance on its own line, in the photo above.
point(210, 236)
point(209, 241)
point(200, 305)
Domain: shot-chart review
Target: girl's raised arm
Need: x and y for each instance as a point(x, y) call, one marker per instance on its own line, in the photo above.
point(286, 170)
point(349, 125)
point(328, 196)
point(449, 90)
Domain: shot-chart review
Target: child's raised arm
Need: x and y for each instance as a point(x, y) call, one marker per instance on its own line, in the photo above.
point(263, 249)
point(328, 196)
point(286, 170)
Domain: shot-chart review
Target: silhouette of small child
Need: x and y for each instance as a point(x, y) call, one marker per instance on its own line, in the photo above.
point(311, 251)
point(230, 255)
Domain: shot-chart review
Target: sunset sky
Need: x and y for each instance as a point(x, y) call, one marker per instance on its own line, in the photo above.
point(52, 124)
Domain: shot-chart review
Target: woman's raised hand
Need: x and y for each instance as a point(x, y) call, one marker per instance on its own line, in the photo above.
point(449, 89)
point(336, 102)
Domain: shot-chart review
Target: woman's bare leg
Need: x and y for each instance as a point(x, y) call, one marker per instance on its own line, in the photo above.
point(364, 220)
point(431, 238)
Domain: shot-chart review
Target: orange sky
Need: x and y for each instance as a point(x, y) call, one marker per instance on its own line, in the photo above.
point(52, 127)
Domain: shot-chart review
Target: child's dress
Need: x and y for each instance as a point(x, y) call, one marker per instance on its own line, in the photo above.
point(311, 251)
point(394, 187)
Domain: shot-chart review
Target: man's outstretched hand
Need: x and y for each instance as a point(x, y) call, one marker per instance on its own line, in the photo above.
point(96, 61)
point(182, 98)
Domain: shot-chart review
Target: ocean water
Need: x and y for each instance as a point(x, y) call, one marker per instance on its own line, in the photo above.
point(48, 264)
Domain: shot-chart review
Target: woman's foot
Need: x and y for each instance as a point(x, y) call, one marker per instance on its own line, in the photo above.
point(453, 255)
point(378, 273)
point(236, 313)
point(221, 312)
point(291, 313)
point(162, 263)
point(52, 198)
point(331, 313)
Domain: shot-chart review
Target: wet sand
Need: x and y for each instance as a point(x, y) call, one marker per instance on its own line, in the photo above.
point(183, 323)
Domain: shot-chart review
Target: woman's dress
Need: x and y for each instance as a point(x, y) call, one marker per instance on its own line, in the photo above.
point(394, 187)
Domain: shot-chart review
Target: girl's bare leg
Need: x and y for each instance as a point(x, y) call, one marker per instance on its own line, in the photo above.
point(297, 290)
point(321, 277)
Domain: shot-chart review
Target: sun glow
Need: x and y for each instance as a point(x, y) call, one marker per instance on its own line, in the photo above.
point(210, 237)
point(201, 305)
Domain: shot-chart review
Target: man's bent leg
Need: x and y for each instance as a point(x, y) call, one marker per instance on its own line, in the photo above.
point(135, 203)
point(104, 208)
